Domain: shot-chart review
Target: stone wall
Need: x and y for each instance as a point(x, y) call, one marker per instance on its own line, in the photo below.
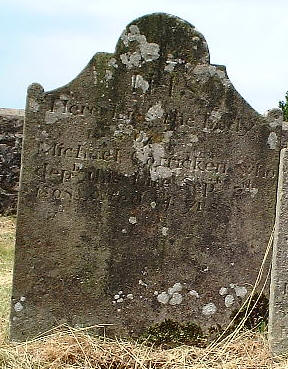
point(11, 128)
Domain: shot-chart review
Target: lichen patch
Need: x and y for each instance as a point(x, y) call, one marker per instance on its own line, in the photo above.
point(163, 298)
point(112, 63)
point(164, 231)
point(176, 299)
point(33, 105)
point(132, 220)
point(18, 307)
point(223, 291)
point(108, 75)
point(145, 51)
point(131, 59)
point(209, 309)
point(171, 63)
point(240, 291)
point(272, 141)
point(229, 300)
point(177, 287)
point(155, 112)
point(194, 293)
point(139, 82)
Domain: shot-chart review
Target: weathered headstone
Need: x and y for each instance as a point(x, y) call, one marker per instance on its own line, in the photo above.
point(147, 191)
point(278, 316)
point(11, 132)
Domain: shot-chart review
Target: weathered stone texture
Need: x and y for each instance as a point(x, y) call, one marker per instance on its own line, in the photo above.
point(278, 318)
point(148, 190)
point(11, 131)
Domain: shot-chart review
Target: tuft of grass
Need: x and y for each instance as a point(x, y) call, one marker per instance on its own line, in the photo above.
point(7, 240)
point(258, 317)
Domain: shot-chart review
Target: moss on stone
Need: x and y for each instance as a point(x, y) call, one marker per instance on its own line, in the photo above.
point(170, 333)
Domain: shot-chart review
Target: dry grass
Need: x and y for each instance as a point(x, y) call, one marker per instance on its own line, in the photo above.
point(76, 349)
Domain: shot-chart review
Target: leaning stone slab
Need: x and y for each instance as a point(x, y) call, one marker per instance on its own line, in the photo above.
point(148, 190)
point(278, 316)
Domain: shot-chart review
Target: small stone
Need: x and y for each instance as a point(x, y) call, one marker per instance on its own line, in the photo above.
point(130, 296)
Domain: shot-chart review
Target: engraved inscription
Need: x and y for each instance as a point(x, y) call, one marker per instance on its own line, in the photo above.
point(80, 151)
point(173, 118)
point(66, 106)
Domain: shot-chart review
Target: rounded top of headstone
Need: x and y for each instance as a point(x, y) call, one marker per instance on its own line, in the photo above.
point(162, 37)
point(274, 113)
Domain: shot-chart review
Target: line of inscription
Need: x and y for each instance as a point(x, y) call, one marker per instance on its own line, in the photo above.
point(65, 106)
point(172, 118)
point(164, 199)
point(78, 152)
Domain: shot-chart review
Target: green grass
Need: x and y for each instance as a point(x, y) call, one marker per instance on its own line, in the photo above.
point(7, 240)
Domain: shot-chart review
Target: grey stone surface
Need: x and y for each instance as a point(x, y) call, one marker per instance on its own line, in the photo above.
point(11, 132)
point(148, 190)
point(278, 303)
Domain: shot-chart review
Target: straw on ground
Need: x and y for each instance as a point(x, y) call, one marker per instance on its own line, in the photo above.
point(72, 348)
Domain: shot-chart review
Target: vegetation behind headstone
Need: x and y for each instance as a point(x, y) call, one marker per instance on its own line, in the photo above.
point(284, 106)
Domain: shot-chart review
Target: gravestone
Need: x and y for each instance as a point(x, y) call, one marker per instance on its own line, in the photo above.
point(147, 190)
point(11, 132)
point(278, 304)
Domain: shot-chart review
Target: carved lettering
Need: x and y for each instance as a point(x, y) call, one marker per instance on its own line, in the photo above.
point(65, 106)
point(173, 118)
point(255, 170)
point(81, 151)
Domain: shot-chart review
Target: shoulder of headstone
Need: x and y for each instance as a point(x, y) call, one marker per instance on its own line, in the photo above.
point(275, 116)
